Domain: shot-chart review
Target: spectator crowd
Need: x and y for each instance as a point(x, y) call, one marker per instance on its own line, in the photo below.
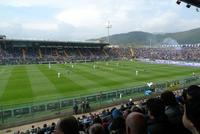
point(181, 54)
point(21, 55)
point(170, 113)
point(45, 54)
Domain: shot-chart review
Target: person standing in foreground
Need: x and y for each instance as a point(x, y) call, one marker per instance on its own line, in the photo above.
point(191, 116)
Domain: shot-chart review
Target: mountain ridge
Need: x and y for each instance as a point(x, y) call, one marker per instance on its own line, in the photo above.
point(141, 38)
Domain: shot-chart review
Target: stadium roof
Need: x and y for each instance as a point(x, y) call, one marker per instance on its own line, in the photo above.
point(47, 43)
point(192, 2)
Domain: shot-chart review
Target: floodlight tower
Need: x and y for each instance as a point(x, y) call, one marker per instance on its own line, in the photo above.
point(108, 26)
point(150, 43)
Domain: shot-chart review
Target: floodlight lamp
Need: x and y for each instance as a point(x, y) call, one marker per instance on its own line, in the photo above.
point(188, 5)
point(178, 2)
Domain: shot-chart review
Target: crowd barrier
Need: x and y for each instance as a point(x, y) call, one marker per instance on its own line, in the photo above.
point(13, 115)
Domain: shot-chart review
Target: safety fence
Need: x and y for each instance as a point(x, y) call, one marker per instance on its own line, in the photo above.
point(13, 115)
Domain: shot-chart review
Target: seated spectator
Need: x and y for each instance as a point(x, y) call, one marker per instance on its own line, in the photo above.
point(97, 119)
point(130, 103)
point(115, 113)
point(96, 129)
point(67, 125)
point(173, 111)
point(44, 130)
point(81, 128)
point(126, 113)
point(136, 124)
point(193, 91)
point(52, 128)
point(33, 130)
point(137, 109)
point(191, 116)
point(182, 98)
point(117, 125)
point(122, 107)
point(105, 124)
point(158, 122)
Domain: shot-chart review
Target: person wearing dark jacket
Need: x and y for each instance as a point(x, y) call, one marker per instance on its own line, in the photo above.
point(191, 117)
point(173, 111)
point(158, 122)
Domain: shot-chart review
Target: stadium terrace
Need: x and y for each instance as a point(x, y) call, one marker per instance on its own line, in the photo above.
point(37, 51)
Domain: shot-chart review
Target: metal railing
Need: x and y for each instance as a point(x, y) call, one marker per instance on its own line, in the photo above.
point(13, 115)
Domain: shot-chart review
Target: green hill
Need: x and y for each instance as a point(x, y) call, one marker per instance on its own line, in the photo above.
point(145, 38)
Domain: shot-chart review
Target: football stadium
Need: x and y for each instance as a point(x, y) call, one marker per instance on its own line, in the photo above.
point(43, 79)
point(149, 85)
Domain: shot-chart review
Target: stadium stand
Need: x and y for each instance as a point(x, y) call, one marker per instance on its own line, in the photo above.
point(29, 51)
point(18, 51)
point(191, 54)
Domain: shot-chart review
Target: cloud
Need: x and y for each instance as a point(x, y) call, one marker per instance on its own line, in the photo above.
point(80, 17)
point(184, 24)
point(43, 26)
point(168, 22)
point(83, 19)
point(5, 25)
point(161, 22)
point(16, 3)
point(27, 3)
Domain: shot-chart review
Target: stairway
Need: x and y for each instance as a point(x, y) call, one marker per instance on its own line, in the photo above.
point(65, 52)
point(80, 53)
point(105, 53)
point(56, 52)
point(132, 53)
point(90, 52)
point(40, 53)
point(23, 53)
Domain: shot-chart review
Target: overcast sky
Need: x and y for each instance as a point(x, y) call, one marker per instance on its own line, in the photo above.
point(77, 20)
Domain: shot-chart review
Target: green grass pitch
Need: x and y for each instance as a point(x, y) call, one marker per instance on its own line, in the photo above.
point(27, 83)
